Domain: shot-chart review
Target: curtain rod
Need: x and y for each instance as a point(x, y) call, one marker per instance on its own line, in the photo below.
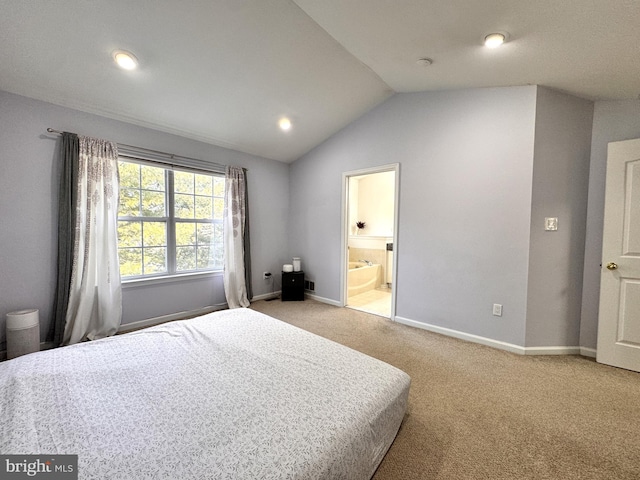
point(170, 155)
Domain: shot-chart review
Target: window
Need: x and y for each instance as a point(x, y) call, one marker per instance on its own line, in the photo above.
point(169, 221)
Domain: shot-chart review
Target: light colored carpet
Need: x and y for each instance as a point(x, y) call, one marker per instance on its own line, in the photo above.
point(480, 413)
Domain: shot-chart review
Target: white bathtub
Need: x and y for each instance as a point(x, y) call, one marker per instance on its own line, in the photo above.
point(362, 278)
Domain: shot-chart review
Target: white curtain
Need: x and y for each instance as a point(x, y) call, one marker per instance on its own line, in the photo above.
point(95, 297)
point(235, 287)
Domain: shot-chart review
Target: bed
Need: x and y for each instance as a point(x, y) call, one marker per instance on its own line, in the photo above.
point(233, 394)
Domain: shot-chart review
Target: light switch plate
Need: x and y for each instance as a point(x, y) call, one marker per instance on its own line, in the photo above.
point(551, 224)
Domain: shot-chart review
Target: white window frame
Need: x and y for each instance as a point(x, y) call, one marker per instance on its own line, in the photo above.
point(172, 274)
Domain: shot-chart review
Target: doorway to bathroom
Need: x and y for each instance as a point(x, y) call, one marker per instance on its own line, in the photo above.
point(369, 231)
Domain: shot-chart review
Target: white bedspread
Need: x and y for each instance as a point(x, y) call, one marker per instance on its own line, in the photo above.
point(234, 394)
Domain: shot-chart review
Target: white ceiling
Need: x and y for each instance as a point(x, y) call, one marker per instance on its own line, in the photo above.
point(224, 71)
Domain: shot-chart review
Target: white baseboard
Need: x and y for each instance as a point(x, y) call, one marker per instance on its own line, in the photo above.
point(266, 296)
point(150, 322)
point(588, 352)
point(322, 299)
point(509, 347)
point(551, 350)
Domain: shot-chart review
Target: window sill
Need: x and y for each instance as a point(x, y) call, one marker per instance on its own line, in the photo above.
point(145, 282)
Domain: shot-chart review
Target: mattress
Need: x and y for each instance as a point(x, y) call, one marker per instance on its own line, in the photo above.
point(234, 394)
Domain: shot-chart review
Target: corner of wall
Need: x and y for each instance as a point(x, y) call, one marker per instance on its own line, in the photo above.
point(560, 186)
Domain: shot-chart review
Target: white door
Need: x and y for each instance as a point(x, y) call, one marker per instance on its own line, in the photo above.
point(619, 319)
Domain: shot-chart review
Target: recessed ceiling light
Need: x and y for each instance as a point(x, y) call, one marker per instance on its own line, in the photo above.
point(284, 123)
point(494, 40)
point(126, 60)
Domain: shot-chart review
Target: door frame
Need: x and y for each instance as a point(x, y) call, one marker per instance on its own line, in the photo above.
point(344, 230)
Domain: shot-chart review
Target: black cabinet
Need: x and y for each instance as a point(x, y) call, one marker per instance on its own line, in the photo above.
point(292, 286)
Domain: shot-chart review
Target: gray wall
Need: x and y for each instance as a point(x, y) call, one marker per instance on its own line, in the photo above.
point(466, 166)
point(28, 190)
point(612, 121)
point(470, 207)
point(560, 185)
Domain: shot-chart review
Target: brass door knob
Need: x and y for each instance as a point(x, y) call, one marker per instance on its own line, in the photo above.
point(612, 266)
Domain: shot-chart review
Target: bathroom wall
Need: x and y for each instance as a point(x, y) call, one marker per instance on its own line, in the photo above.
point(375, 203)
point(371, 253)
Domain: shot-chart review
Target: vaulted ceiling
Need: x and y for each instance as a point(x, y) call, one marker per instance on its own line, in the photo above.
point(225, 71)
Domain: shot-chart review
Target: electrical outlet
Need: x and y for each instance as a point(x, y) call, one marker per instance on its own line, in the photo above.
point(497, 309)
point(266, 275)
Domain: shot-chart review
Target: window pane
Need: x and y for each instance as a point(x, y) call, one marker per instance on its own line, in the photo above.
point(129, 234)
point(218, 208)
point(205, 231)
point(218, 186)
point(204, 207)
point(218, 252)
point(204, 185)
point(185, 233)
point(145, 245)
point(185, 258)
point(217, 233)
point(184, 207)
point(205, 257)
point(218, 256)
point(153, 204)
point(129, 203)
point(155, 235)
point(130, 261)
point(155, 260)
point(183, 182)
point(129, 174)
point(152, 178)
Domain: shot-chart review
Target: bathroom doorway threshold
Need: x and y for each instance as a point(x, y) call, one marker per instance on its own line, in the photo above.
point(376, 302)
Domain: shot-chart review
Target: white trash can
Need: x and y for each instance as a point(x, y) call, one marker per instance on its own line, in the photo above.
point(23, 333)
